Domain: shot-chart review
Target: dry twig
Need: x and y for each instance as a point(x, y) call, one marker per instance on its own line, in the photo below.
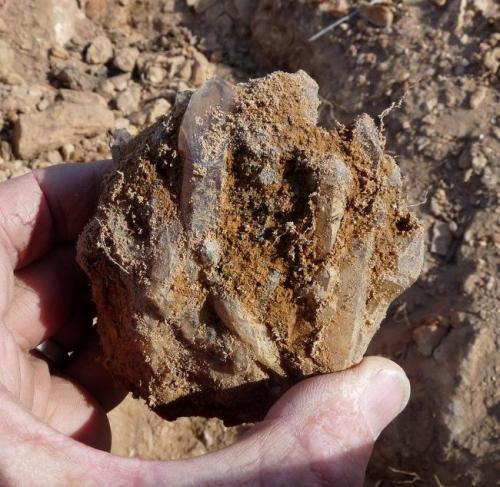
point(330, 27)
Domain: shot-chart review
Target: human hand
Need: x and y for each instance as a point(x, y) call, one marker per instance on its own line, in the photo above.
point(53, 424)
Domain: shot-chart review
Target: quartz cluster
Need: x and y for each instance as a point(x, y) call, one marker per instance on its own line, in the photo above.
point(238, 248)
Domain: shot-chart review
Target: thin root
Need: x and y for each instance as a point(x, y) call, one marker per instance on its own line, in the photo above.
point(330, 27)
point(420, 203)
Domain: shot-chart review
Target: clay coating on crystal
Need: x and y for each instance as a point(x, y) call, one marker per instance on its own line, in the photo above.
point(239, 248)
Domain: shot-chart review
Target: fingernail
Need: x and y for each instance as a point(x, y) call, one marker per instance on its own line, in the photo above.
point(384, 397)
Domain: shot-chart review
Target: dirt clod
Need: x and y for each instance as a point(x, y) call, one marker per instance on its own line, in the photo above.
point(239, 248)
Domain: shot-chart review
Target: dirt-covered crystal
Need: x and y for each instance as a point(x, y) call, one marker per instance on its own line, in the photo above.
point(238, 248)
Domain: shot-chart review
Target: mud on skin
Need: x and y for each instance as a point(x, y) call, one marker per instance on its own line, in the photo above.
point(239, 248)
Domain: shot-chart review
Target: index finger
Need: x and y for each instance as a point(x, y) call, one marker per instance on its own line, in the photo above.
point(46, 206)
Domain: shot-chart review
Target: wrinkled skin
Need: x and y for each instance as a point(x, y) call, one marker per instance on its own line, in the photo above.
point(53, 426)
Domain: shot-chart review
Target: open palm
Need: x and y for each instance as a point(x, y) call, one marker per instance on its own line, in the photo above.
point(53, 422)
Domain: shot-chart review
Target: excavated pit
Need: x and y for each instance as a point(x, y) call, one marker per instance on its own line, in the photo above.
point(238, 248)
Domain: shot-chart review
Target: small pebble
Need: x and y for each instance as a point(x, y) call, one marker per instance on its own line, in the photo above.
point(127, 102)
point(126, 58)
point(100, 51)
point(158, 108)
point(477, 97)
point(43, 105)
point(67, 151)
point(441, 238)
point(376, 14)
point(54, 157)
point(59, 53)
point(155, 74)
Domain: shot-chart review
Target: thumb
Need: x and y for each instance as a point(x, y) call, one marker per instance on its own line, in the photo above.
point(321, 432)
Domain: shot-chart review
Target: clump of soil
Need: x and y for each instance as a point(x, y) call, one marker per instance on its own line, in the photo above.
point(238, 248)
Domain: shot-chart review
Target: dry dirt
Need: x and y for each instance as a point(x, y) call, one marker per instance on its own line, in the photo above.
point(442, 57)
